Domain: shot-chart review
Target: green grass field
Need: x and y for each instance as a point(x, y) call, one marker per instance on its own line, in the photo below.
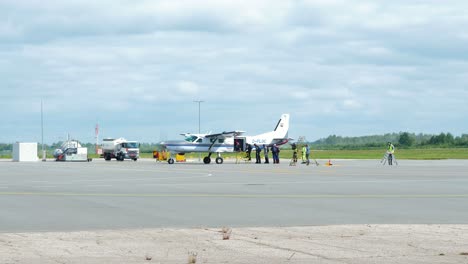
point(415, 154)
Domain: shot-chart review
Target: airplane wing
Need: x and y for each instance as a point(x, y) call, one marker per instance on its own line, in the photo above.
point(226, 134)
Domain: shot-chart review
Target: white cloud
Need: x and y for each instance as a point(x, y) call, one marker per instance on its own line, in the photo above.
point(187, 87)
point(126, 59)
point(351, 104)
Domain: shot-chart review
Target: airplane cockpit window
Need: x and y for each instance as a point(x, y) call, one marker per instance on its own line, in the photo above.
point(199, 140)
point(191, 138)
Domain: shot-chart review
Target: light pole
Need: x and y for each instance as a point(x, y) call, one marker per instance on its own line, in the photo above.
point(42, 134)
point(199, 104)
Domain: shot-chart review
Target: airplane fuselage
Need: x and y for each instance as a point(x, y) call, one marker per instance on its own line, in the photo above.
point(201, 144)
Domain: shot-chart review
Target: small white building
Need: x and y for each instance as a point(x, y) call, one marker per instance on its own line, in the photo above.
point(25, 151)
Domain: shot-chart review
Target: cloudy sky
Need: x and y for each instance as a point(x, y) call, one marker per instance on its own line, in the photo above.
point(339, 67)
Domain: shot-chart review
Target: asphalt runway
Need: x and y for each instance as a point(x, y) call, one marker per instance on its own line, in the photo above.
point(57, 196)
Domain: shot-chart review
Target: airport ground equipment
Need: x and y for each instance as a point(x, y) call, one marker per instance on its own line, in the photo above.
point(120, 149)
point(386, 158)
point(71, 150)
point(160, 155)
point(25, 151)
point(293, 161)
point(242, 156)
point(180, 157)
point(315, 161)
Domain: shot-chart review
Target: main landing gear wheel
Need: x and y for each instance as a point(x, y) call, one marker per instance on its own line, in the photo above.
point(219, 160)
point(206, 160)
point(170, 161)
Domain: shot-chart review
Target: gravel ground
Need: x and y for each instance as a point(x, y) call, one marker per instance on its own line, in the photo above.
point(315, 244)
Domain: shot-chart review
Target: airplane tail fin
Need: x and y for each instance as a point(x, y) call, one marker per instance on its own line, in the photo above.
point(281, 129)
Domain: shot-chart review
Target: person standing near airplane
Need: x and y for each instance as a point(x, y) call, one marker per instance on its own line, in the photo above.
point(258, 150)
point(275, 151)
point(390, 151)
point(237, 145)
point(294, 156)
point(265, 152)
point(304, 151)
point(277, 154)
point(249, 151)
point(307, 154)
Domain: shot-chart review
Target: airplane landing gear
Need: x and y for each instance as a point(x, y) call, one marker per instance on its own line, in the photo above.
point(170, 161)
point(207, 159)
point(219, 159)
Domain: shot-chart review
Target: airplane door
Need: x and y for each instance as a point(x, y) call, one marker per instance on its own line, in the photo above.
point(239, 144)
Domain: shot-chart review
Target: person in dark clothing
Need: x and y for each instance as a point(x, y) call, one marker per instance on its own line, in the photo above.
point(248, 151)
point(258, 150)
point(265, 153)
point(275, 151)
point(277, 154)
point(294, 148)
point(237, 145)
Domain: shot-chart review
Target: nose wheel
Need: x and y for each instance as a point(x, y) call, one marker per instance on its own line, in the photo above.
point(219, 160)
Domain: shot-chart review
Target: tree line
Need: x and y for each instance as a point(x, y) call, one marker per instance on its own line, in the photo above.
point(402, 139)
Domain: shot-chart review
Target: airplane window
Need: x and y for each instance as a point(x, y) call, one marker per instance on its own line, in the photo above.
point(221, 140)
point(191, 138)
point(199, 140)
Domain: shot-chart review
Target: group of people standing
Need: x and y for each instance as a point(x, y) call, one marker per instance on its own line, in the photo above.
point(305, 153)
point(266, 149)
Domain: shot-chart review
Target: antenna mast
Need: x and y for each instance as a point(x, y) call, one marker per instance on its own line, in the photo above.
point(96, 131)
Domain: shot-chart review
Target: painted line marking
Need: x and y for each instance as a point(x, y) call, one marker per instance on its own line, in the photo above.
point(286, 196)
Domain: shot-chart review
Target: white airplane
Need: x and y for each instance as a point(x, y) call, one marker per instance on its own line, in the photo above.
point(227, 141)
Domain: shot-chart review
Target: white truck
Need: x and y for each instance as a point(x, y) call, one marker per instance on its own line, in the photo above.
point(120, 149)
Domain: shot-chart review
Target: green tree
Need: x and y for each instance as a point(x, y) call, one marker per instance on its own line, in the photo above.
point(406, 140)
